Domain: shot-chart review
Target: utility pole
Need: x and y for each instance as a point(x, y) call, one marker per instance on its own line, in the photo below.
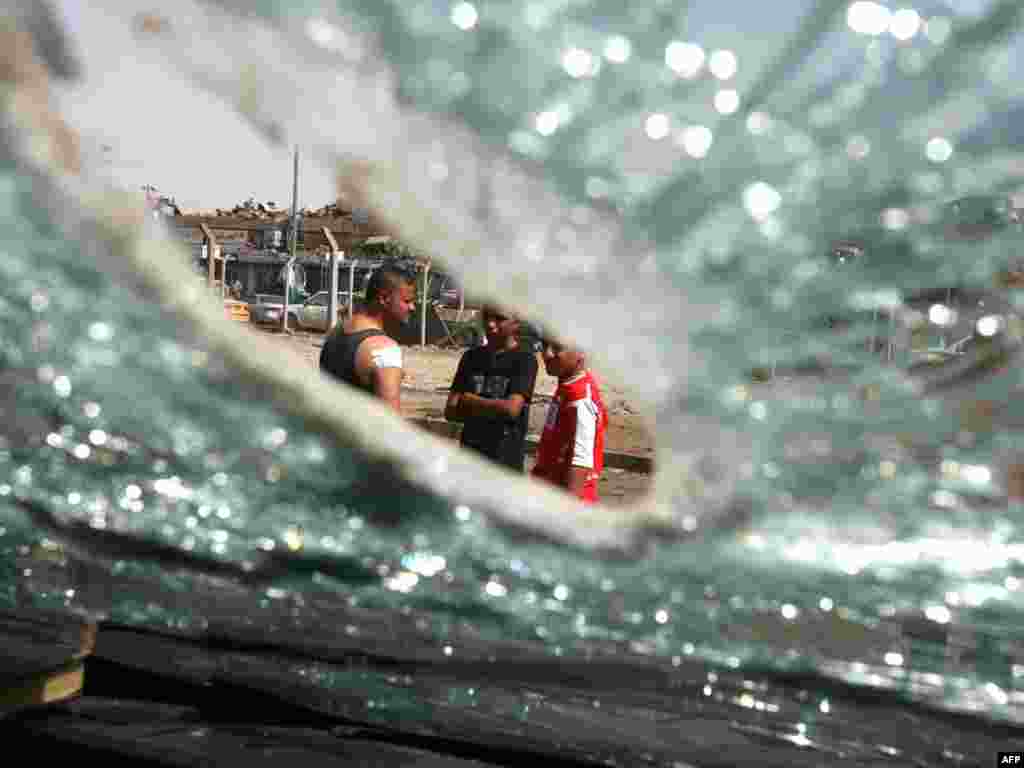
point(360, 216)
point(332, 302)
point(295, 200)
point(290, 264)
point(424, 303)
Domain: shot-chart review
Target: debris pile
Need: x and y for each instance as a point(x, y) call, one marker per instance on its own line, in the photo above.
point(336, 215)
point(250, 209)
point(333, 210)
point(270, 211)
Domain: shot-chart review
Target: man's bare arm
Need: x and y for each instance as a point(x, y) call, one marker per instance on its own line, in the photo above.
point(381, 359)
point(387, 384)
point(509, 408)
point(453, 408)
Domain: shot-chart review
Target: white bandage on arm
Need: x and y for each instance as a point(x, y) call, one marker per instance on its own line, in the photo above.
point(387, 357)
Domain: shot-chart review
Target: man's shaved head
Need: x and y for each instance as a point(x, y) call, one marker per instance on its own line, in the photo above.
point(387, 279)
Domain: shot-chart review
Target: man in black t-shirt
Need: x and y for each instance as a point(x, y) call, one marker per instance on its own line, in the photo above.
point(492, 390)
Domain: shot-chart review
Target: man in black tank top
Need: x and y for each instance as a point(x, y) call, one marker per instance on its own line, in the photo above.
point(359, 351)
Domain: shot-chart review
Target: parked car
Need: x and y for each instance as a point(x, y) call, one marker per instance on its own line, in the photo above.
point(450, 297)
point(447, 292)
point(266, 308)
point(313, 314)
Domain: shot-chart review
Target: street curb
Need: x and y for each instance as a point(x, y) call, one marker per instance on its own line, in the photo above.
point(612, 459)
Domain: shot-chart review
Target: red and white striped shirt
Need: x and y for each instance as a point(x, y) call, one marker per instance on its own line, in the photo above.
point(574, 434)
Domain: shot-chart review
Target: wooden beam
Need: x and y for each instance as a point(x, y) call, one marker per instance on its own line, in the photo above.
point(336, 225)
point(344, 240)
point(212, 254)
point(208, 234)
point(246, 225)
point(426, 301)
point(329, 236)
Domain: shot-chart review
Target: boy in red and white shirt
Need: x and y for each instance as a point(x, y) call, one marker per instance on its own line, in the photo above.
point(571, 450)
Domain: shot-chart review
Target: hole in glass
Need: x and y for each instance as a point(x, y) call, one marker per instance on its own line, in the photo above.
point(254, 238)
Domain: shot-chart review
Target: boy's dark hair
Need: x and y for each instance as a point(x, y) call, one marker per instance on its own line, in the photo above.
point(390, 277)
point(543, 337)
point(531, 336)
